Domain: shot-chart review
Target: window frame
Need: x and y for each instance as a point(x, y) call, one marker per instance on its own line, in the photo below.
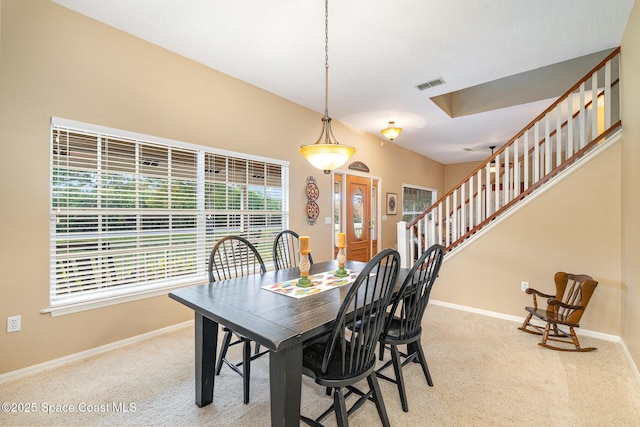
point(434, 198)
point(251, 178)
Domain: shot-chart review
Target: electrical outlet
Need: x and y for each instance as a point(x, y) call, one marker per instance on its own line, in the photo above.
point(13, 323)
point(524, 286)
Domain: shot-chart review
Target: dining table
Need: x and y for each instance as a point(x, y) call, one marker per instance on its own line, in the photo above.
point(279, 322)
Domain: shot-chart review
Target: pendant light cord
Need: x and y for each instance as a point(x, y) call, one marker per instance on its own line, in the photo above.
point(326, 57)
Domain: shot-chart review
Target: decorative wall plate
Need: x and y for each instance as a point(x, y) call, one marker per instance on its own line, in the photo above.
point(313, 210)
point(312, 191)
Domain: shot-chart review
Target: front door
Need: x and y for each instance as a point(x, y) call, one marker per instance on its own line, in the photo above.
point(358, 218)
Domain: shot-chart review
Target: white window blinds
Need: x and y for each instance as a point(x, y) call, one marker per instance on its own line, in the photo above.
point(132, 214)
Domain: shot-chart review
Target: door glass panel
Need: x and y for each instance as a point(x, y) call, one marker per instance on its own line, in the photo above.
point(337, 205)
point(358, 205)
point(374, 212)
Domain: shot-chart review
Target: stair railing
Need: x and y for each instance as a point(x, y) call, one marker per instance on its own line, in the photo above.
point(571, 127)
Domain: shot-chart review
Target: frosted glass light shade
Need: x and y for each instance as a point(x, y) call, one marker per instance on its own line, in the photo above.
point(391, 132)
point(327, 156)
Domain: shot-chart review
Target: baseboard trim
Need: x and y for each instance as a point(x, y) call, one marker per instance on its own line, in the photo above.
point(632, 365)
point(29, 370)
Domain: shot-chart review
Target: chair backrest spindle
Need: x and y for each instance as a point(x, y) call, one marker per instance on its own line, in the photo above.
point(412, 298)
point(581, 287)
point(234, 256)
point(286, 250)
point(355, 333)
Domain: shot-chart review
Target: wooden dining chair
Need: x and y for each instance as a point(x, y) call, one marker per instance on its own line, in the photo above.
point(231, 257)
point(286, 250)
point(404, 324)
point(347, 355)
point(563, 310)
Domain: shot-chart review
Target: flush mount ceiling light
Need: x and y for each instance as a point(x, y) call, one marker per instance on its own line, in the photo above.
point(391, 132)
point(326, 153)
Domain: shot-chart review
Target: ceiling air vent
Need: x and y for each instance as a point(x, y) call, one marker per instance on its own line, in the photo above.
point(432, 83)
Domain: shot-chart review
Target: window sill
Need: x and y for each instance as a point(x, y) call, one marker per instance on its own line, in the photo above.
point(108, 301)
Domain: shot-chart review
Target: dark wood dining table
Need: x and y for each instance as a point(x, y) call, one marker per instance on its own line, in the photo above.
point(278, 322)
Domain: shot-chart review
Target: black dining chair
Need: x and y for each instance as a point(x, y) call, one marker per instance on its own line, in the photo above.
point(286, 250)
point(347, 355)
point(404, 324)
point(231, 257)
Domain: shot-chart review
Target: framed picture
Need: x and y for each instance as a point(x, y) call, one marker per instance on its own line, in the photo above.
point(392, 203)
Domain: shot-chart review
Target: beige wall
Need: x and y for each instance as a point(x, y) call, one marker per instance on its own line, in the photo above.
point(55, 62)
point(455, 173)
point(630, 49)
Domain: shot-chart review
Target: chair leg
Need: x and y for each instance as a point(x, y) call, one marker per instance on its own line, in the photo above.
point(377, 398)
point(574, 337)
point(417, 348)
point(525, 325)
point(340, 407)
point(545, 335)
point(223, 351)
point(246, 369)
point(381, 357)
point(526, 321)
point(397, 368)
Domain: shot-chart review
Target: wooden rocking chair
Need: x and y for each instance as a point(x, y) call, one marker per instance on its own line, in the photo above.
point(565, 308)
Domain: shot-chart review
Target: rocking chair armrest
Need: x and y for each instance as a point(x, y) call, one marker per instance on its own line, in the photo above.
point(552, 302)
point(534, 292)
point(531, 291)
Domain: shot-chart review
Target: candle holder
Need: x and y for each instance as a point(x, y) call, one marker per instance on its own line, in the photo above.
point(305, 265)
point(342, 257)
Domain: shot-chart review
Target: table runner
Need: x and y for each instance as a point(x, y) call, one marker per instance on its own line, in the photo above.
point(320, 282)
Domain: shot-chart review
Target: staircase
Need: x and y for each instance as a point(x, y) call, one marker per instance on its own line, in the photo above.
point(574, 127)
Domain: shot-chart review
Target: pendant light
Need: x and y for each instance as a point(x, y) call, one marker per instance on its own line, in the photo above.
point(326, 153)
point(492, 166)
point(391, 132)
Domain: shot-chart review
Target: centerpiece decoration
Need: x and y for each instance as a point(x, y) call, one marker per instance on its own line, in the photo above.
point(305, 265)
point(342, 256)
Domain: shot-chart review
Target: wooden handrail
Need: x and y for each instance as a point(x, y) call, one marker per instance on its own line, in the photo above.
point(538, 184)
point(535, 186)
point(539, 118)
point(521, 158)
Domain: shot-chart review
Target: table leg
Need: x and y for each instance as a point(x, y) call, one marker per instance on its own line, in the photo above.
point(206, 336)
point(285, 375)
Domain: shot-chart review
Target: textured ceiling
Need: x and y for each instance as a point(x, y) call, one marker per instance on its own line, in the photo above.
point(378, 52)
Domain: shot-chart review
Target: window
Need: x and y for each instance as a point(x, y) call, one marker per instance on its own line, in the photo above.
point(131, 214)
point(415, 200)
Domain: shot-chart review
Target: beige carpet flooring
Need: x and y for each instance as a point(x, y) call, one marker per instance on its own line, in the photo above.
point(485, 373)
